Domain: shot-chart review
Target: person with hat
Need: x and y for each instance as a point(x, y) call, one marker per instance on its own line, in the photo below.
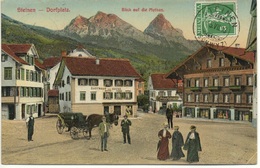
point(163, 148)
point(177, 143)
point(30, 126)
point(125, 125)
point(104, 133)
point(192, 145)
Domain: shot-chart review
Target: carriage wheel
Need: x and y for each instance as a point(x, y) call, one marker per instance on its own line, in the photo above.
point(59, 126)
point(86, 133)
point(74, 133)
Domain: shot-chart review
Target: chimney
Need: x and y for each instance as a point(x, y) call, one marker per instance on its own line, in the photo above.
point(237, 45)
point(63, 53)
point(97, 61)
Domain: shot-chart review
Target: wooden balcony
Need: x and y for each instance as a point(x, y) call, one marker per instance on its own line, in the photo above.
point(235, 88)
point(214, 88)
point(195, 89)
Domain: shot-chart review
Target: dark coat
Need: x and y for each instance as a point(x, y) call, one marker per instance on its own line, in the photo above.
point(177, 143)
point(125, 124)
point(192, 146)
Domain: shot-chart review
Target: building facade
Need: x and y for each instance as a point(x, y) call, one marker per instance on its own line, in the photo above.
point(217, 83)
point(163, 93)
point(92, 85)
point(22, 81)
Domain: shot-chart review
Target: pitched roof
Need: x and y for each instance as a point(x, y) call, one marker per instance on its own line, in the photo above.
point(160, 81)
point(20, 48)
point(51, 61)
point(53, 93)
point(239, 53)
point(6, 48)
point(106, 67)
point(38, 64)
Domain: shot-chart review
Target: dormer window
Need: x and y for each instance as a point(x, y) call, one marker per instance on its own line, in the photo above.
point(209, 65)
point(128, 83)
point(221, 62)
point(118, 82)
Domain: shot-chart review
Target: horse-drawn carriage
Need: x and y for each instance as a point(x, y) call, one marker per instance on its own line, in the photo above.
point(75, 122)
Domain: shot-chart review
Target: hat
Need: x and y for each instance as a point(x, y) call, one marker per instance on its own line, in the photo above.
point(165, 124)
point(104, 117)
point(193, 127)
point(176, 127)
point(125, 116)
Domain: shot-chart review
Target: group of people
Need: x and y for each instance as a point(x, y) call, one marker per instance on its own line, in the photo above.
point(104, 131)
point(192, 144)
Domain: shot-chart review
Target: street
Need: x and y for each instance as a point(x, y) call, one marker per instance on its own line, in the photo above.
point(228, 143)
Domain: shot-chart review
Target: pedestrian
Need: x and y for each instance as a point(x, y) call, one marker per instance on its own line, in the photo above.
point(169, 115)
point(163, 145)
point(104, 133)
point(192, 145)
point(125, 124)
point(30, 126)
point(177, 143)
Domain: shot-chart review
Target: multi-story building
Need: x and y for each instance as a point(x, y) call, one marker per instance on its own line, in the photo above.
point(164, 92)
point(93, 85)
point(217, 83)
point(22, 81)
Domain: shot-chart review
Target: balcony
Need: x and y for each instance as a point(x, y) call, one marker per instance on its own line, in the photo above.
point(235, 88)
point(195, 89)
point(167, 98)
point(214, 88)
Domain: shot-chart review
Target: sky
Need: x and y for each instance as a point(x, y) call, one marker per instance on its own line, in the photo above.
point(180, 13)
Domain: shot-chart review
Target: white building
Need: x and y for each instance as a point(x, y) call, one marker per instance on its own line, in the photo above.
point(22, 85)
point(163, 93)
point(91, 85)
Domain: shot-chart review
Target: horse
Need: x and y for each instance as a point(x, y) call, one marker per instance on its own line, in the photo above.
point(93, 120)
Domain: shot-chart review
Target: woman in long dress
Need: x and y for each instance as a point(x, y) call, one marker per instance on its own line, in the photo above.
point(163, 146)
point(177, 143)
point(192, 145)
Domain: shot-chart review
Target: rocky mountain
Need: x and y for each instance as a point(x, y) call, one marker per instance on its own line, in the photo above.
point(108, 30)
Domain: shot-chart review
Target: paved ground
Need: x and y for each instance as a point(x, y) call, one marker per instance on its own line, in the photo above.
point(228, 143)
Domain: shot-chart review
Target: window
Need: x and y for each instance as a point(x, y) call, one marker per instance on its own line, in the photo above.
point(93, 82)
point(82, 96)
point(188, 81)
point(128, 83)
point(4, 57)
point(93, 96)
point(22, 91)
point(250, 98)
point(221, 62)
point(107, 82)
point(238, 98)
point(161, 93)
point(206, 82)
point(169, 93)
point(22, 74)
point(69, 96)
point(189, 97)
point(226, 98)
point(215, 82)
point(226, 81)
point(197, 83)
point(249, 80)
point(18, 75)
point(27, 75)
point(68, 80)
point(128, 95)
point(118, 82)
point(8, 73)
point(197, 98)
point(108, 95)
point(215, 98)
point(82, 82)
point(206, 98)
point(209, 63)
point(118, 95)
point(31, 76)
point(237, 81)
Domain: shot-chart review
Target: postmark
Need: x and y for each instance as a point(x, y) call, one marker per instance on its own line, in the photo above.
point(216, 23)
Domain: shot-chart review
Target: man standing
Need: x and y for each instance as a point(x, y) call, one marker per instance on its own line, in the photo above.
point(30, 126)
point(125, 124)
point(104, 133)
point(169, 115)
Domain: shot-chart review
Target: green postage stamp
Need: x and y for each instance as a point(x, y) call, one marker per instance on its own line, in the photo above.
point(215, 21)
